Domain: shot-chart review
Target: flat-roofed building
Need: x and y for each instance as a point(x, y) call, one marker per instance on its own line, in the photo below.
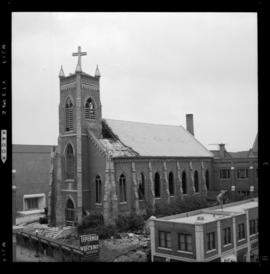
point(31, 175)
point(218, 234)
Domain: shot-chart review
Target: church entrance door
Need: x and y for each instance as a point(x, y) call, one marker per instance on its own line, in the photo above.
point(70, 212)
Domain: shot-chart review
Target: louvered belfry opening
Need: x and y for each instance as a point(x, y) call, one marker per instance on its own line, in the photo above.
point(89, 110)
point(69, 115)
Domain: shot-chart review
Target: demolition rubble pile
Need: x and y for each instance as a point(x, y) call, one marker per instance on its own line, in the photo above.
point(126, 247)
point(130, 247)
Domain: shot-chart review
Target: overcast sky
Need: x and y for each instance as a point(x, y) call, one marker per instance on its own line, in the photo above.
point(155, 67)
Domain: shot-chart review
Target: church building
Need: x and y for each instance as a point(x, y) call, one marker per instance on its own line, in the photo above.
point(118, 167)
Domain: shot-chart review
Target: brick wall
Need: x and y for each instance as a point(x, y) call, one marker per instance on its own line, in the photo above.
point(123, 166)
point(32, 165)
point(241, 184)
point(96, 166)
point(174, 229)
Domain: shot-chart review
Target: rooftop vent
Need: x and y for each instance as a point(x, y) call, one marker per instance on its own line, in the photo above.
point(200, 218)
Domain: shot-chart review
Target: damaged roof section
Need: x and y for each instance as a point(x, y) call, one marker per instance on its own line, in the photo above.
point(129, 139)
point(110, 143)
point(116, 149)
point(113, 145)
point(153, 140)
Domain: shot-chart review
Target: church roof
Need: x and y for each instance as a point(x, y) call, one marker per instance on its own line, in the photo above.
point(156, 140)
point(116, 149)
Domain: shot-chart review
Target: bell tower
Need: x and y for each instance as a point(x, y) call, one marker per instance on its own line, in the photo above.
point(79, 111)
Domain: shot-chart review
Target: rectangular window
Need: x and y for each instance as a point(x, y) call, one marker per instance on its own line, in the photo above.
point(242, 173)
point(210, 240)
point(225, 174)
point(241, 231)
point(227, 236)
point(252, 227)
point(164, 239)
point(31, 203)
point(185, 242)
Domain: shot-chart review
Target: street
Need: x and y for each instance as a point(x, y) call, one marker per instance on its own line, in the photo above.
point(26, 255)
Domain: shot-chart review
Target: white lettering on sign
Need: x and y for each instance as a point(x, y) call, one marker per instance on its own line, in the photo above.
point(89, 244)
point(89, 247)
point(89, 238)
point(3, 145)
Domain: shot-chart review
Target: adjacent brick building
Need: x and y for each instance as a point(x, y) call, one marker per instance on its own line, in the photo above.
point(208, 235)
point(31, 175)
point(236, 171)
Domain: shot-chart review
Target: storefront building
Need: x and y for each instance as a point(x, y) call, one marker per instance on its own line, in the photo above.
point(228, 234)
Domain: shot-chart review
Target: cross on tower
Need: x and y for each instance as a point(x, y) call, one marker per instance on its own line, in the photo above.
point(79, 54)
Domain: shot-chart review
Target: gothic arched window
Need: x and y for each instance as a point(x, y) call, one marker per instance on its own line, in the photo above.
point(171, 184)
point(157, 185)
point(207, 179)
point(98, 189)
point(141, 187)
point(89, 109)
point(70, 162)
point(122, 188)
point(196, 181)
point(184, 182)
point(70, 212)
point(69, 114)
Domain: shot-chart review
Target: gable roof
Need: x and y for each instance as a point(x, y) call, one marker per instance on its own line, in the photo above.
point(157, 140)
point(116, 149)
point(109, 144)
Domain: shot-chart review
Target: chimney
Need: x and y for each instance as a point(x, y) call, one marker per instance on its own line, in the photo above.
point(222, 150)
point(189, 123)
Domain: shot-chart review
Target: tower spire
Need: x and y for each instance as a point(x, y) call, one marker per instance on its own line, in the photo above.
point(79, 54)
point(97, 73)
point(61, 73)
